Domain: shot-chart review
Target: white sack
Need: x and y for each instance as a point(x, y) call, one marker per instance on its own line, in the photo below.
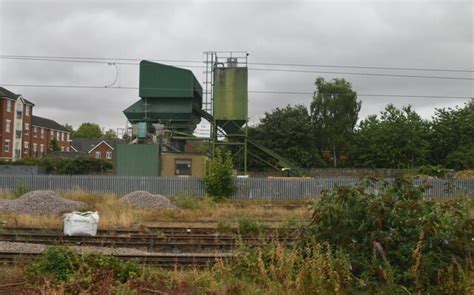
point(81, 223)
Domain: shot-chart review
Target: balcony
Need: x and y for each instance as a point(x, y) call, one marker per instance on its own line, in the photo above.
point(18, 134)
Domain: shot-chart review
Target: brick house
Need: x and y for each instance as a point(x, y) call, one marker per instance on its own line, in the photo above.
point(43, 131)
point(20, 131)
point(99, 148)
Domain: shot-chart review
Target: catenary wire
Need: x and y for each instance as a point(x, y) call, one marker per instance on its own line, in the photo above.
point(106, 59)
point(250, 91)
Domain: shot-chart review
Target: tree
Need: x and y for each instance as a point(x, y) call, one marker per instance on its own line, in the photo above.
point(287, 131)
point(452, 131)
point(54, 146)
point(69, 128)
point(399, 139)
point(110, 134)
point(219, 182)
point(334, 114)
point(88, 130)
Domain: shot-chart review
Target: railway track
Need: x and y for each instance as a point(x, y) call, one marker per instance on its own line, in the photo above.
point(167, 260)
point(185, 241)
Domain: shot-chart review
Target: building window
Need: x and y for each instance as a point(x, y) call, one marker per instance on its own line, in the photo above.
point(62, 149)
point(35, 148)
point(9, 106)
point(67, 149)
point(57, 136)
point(51, 134)
point(183, 167)
point(108, 155)
point(19, 114)
point(42, 132)
point(67, 137)
point(26, 146)
point(35, 132)
point(8, 126)
point(98, 155)
point(41, 149)
point(7, 146)
point(62, 136)
point(27, 129)
point(27, 111)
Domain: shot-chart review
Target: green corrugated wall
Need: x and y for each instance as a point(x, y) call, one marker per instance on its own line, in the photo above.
point(138, 160)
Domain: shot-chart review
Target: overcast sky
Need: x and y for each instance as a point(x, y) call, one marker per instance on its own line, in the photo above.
point(408, 34)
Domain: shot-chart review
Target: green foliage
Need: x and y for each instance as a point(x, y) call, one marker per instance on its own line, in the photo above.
point(395, 236)
point(219, 181)
point(110, 134)
point(334, 114)
point(436, 171)
point(275, 269)
point(56, 263)
point(224, 227)
point(79, 165)
point(193, 202)
point(123, 270)
point(285, 132)
point(247, 226)
point(20, 189)
point(61, 264)
point(398, 139)
point(54, 146)
point(452, 132)
point(88, 130)
point(69, 128)
point(462, 158)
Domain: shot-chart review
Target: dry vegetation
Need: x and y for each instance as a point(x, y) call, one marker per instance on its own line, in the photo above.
point(198, 211)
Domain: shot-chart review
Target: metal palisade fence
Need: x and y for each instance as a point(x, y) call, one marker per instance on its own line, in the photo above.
point(247, 188)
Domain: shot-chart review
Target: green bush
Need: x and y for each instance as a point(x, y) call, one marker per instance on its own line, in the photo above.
point(56, 263)
point(224, 227)
point(20, 189)
point(61, 264)
point(247, 226)
point(219, 181)
point(462, 158)
point(61, 165)
point(395, 236)
point(436, 171)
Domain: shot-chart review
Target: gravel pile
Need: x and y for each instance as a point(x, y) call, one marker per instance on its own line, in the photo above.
point(40, 202)
point(145, 200)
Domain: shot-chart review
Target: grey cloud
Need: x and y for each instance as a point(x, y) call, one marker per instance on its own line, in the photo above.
point(422, 34)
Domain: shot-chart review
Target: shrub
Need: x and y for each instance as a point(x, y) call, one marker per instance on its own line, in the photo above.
point(436, 171)
point(63, 265)
point(250, 226)
point(462, 158)
point(20, 189)
point(224, 227)
point(56, 263)
point(277, 269)
point(394, 235)
point(219, 182)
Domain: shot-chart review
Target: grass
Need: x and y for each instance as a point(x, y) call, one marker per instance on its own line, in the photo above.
point(191, 211)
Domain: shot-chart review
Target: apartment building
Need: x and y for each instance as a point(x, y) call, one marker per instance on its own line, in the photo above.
point(23, 135)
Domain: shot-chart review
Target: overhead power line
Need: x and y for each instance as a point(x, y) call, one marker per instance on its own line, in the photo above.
point(108, 59)
point(250, 91)
point(365, 74)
